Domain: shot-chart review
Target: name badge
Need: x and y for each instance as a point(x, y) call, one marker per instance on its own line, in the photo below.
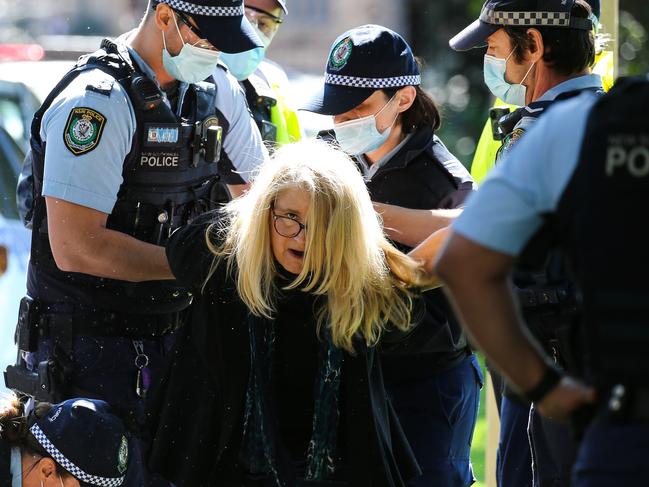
point(160, 135)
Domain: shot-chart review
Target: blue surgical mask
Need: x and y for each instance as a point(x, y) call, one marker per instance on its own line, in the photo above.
point(243, 64)
point(192, 64)
point(361, 136)
point(494, 78)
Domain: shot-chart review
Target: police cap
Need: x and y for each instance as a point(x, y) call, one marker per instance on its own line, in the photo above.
point(361, 61)
point(86, 439)
point(222, 22)
point(496, 14)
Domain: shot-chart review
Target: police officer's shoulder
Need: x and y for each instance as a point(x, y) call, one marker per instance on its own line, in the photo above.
point(93, 84)
point(91, 100)
point(226, 84)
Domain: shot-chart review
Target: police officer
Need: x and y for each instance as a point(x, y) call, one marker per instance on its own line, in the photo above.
point(386, 120)
point(264, 81)
point(584, 166)
point(78, 442)
point(125, 149)
point(491, 140)
point(538, 52)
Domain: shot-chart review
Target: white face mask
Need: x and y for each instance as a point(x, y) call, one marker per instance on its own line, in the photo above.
point(243, 64)
point(361, 136)
point(494, 78)
point(192, 64)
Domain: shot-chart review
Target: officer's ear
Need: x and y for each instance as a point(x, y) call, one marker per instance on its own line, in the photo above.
point(406, 97)
point(163, 15)
point(536, 46)
point(45, 469)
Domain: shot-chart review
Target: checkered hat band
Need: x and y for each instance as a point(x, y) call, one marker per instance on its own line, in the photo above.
point(71, 467)
point(192, 8)
point(551, 19)
point(377, 83)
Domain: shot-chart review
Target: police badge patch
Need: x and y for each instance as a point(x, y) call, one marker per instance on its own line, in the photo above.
point(83, 130)
point(509, 142)
point(340, 54)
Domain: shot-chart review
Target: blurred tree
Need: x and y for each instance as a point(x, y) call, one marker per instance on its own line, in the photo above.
point(454, 79)
point(634, 21)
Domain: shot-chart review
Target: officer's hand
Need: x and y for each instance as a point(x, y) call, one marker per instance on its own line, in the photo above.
point(565, 399)
point(3, 259)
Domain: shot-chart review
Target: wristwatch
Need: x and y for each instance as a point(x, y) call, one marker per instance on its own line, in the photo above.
point(549, 381)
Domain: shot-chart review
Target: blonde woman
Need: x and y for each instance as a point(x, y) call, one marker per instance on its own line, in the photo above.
point(296, 288)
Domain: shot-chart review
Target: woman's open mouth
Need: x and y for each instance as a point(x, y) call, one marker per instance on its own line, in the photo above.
point(298, 254)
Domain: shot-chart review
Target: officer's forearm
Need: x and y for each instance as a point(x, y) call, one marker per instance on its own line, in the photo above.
point(120, 256)
point(81, 242)
point(411, 227)
point(116, 255)
point(428, 251)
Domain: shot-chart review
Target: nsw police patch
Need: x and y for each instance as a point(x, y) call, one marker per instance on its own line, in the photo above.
point(340, 54)
point(83, 130)
point(509, 142)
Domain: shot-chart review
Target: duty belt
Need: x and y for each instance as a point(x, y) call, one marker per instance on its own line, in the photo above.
point(108, 324)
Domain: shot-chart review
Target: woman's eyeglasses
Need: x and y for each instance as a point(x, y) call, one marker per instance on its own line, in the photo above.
point(286, 226)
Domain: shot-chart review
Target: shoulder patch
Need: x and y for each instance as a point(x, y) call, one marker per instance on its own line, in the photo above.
point(83, 130)
point(509, 142)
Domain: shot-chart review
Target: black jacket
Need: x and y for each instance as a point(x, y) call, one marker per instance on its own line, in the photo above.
point(424, 175)
point(5, 463)
point(198, 410)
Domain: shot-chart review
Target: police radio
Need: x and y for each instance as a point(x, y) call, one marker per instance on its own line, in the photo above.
point(495, 114)
point(145, 93)
point(208, 140)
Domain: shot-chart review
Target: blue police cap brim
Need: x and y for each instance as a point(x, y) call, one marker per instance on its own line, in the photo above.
point(336, 99)
point(228, 34)
point(474, 35)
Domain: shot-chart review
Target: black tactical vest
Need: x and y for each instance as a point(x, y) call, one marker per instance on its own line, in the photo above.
point(168, 178)
point(601, 219)
point(546, 293)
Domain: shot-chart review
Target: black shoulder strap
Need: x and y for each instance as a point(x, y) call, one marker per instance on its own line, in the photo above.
point(110, 58)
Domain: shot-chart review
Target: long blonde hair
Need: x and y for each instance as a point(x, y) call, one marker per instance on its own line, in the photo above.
point(347, 257)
